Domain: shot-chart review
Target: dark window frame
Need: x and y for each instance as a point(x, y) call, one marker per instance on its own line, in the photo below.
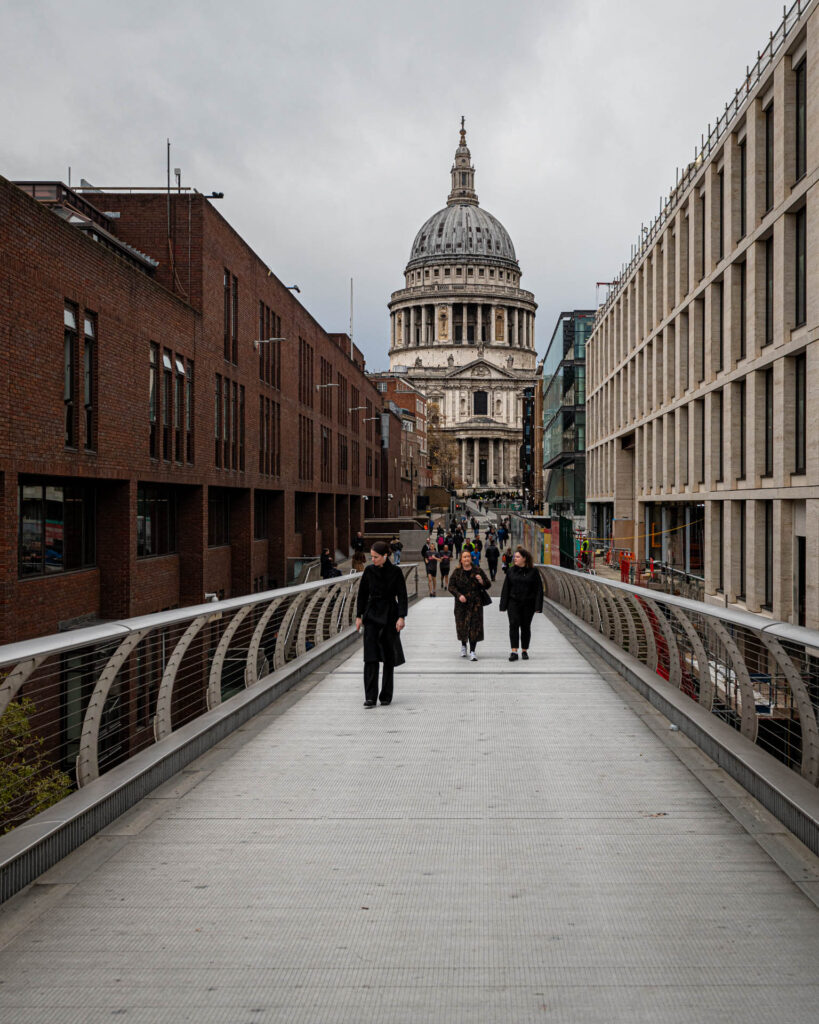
point(74, 531)
point(157, 506)
point(800, 367)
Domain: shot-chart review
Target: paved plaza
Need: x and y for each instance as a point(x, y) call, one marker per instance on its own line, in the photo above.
point(505, 843)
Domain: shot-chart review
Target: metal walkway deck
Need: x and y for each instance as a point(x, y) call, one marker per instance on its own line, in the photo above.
point(505, 843)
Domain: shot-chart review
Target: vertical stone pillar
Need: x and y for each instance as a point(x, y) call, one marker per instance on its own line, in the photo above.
point(479, 324)
point(490, 473)
point(465, 329)
point(462, 443)
point(506, 325)
point(516, 328)
point(476, 452)
point(450, 323)
point(413, 341)
point(492, 313)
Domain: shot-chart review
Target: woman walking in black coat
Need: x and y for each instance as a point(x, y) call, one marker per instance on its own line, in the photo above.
point(521, 597)
point(382, 609)
point(468, 584)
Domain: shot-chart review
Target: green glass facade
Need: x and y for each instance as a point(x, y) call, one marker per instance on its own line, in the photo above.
point(564, 414)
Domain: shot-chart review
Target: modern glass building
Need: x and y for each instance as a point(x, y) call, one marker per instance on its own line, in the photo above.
point(564, 416)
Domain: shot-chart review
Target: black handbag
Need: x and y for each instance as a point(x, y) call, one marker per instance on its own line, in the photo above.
point(485, 598)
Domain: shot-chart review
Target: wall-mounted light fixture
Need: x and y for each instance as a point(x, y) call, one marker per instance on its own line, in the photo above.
point(320, 386)
point(265, 341)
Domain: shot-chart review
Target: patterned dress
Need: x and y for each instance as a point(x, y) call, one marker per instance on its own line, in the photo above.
point(468, 614)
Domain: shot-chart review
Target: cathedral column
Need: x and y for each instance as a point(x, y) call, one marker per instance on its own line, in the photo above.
point(450, 323)
point(506, 324)
point(492, 310)
point(405, 327)
point(479, 324)
point(475, 468)
point(490, 472)
point(516, 327)
point(412, 325)
point(462, 445)
point(465, 329)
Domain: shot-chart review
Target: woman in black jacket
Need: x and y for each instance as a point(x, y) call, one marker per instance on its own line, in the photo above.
point(521, 597)
point(382, 608)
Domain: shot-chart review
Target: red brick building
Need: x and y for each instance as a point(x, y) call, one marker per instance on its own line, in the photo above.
point(412, 403)
point(150, 453)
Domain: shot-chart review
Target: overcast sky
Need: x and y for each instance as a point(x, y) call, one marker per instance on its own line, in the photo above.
point(331, 128)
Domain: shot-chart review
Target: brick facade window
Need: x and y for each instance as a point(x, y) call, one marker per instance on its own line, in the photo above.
point(234, 322)
point(342, 459)
point(326, 456)
point(342, 408)
point(189, 412)
point(227, 314)
point(179, 410)
point(262, 515)
point(270, 355)
point(56, 526)
point(153, 399)
point(218, 516)
point(217, 422)
point(89, 390)
point(70, 354)
point(305, 448)
point(305, 373)
point(229, 424)
point(167, 403)
point(356, 458)
point(327, 389)
point(156, 520)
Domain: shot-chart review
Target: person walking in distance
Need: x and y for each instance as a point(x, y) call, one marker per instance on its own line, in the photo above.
point(444, 563)
point(468, 585)
point(521, 597)
point(396, 547)
point(432, 561)
point(492, 554)
point(381, 607)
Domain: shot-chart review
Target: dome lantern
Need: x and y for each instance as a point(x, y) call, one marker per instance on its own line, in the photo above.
point(463, 175)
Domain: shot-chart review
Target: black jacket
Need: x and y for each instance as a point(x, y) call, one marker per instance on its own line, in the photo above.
point(523, 586)
point(382, 595)
point(382, 600)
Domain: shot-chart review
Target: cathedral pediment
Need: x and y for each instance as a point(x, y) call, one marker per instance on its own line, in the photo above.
point(479, 368)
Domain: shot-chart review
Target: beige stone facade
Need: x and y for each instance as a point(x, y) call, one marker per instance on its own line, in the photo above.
point(463, 331)
point(703, 366)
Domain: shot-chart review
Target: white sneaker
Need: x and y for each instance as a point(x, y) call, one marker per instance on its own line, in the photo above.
point(463, 650)
point(473, 656)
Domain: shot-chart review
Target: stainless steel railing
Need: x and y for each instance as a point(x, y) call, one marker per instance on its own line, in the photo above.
point(758, 675)
point(74, 705)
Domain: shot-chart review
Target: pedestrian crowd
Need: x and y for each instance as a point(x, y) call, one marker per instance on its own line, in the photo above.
point(382, 604)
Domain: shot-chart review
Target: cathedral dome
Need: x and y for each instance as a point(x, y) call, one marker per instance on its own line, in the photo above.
point(458, 231)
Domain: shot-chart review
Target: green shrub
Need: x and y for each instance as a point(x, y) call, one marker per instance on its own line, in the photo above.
point(28, 782)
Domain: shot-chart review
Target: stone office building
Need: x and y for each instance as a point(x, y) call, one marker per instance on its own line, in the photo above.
point(702, 360)
point(463, 331)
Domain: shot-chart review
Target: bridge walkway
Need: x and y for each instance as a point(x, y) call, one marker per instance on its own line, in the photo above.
point(505, 843)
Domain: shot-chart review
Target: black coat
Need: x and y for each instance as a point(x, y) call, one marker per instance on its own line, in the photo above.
point(522, 586)
point(382, 600)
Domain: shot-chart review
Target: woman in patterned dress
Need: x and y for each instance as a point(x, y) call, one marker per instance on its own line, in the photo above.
point(468, 584)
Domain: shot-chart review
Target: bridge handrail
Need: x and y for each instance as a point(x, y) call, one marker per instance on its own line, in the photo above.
point(95, 697)
point(759, 675)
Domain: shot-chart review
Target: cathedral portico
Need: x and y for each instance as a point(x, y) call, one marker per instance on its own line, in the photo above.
point(463, 330)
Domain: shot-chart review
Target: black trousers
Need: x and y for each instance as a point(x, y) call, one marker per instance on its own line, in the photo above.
point(371, 681)
point(520, 624)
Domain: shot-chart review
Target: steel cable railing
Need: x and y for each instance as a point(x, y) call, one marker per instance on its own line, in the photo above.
point(75, 705)
point(759, 676)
